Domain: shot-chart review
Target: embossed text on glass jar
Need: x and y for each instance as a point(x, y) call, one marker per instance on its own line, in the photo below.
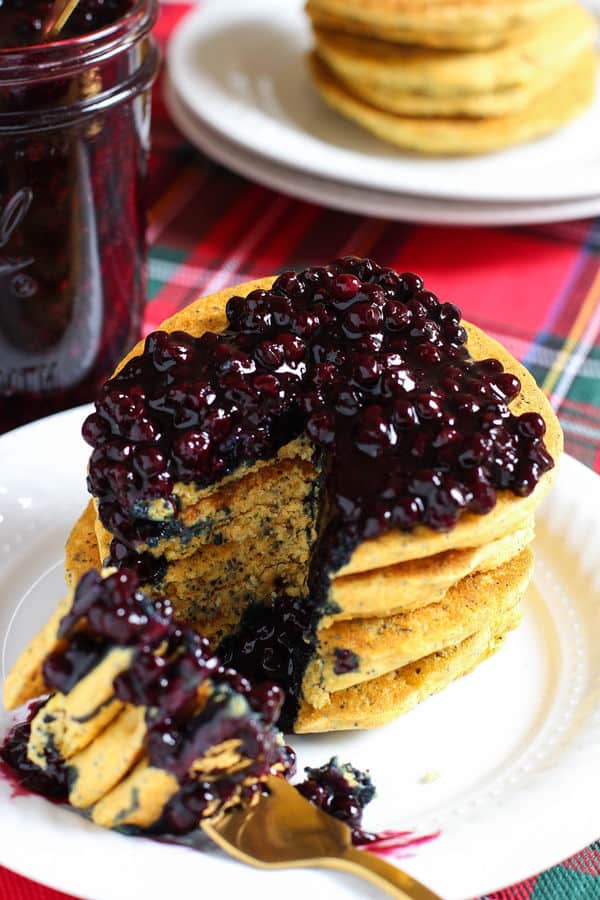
point(74, 134)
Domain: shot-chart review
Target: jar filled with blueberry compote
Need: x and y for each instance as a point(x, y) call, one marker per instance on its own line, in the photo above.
point(74, 140)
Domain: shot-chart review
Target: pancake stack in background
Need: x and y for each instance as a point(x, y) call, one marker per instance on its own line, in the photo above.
point(455, 76)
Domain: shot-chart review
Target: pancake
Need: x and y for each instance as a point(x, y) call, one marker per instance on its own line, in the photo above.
point(416, 82)
point(411, 585)
point(507, 101)
point(385, 591)
point(390, 642)
point(380, 699)
point(374, 703)
point(103, 763)
point(239, 552)
point(464, 136)
point(68, 723)
point(445, 23)
point(549, 45)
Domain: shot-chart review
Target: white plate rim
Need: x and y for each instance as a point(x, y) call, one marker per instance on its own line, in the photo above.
point(359, 200)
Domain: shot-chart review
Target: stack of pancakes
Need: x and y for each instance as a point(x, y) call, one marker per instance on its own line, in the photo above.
point(406, 615)
point(454, 76)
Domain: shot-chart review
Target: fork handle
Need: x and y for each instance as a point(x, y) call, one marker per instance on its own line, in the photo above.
point(389, 878)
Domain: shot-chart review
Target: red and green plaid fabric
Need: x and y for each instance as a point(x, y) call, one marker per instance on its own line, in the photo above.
point(536, 289)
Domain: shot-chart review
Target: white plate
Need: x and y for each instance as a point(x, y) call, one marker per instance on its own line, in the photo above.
point(364, 201)
point(515, 743)
point(240, 67)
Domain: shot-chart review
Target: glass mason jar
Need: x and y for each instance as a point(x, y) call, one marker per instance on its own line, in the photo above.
point(74, 140)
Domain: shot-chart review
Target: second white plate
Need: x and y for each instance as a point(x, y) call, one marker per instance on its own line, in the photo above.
point(240, 68)
point(360, 200)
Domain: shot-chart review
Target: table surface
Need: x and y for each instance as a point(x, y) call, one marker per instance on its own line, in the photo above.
point(535, 289)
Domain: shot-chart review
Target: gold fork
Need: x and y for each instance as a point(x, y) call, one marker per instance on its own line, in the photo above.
point(285, 830)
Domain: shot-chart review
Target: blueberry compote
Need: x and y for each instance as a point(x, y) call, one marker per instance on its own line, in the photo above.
point(343, 792)
point(172, 668)
point(74, 122)
point(407, 428)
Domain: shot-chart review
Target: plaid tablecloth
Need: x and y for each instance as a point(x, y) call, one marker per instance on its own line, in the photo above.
point(535, 289)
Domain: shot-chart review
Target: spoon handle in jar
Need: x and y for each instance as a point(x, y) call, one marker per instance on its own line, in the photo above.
point(61, 12)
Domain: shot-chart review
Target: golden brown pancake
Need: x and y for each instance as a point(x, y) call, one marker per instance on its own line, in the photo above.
point(391, 642)
point(455, 24)
point(462, 136)
point(419, 82)
point(507, 101)
point(377, 702)
point(550, 44)
point(416, 583)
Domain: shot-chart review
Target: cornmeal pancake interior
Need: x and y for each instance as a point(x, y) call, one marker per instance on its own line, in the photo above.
point(274, 444)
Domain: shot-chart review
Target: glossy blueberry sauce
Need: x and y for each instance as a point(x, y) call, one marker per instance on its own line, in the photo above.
point(341, 791)
point(407, 429)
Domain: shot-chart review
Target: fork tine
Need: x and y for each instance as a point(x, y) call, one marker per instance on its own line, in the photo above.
point(285, 830)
